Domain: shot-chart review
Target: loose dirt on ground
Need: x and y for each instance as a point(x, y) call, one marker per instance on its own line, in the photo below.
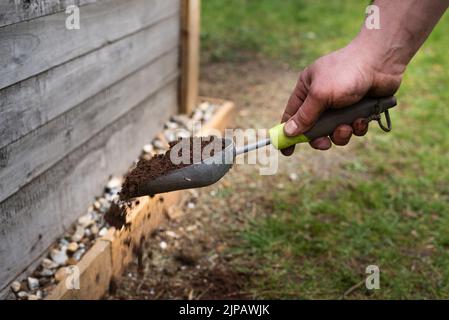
point(192, 255)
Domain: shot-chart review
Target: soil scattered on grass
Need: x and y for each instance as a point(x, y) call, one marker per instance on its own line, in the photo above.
point(216, 284)
point(161, 164)
point(221, 283)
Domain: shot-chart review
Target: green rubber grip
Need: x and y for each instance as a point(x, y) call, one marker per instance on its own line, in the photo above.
point(331, 119)
point(280, 141)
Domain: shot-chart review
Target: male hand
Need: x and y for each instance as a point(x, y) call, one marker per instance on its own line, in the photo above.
point(337, 80)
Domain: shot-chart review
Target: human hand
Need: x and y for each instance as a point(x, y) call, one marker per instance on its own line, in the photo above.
point(337, 80)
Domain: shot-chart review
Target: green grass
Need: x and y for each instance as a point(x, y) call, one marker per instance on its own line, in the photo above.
point(289, 30)
point(394, 211)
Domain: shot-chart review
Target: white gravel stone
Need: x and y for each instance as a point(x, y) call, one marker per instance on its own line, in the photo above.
point(33, 283)
point(105, 204)
point(63, 242)
point(171, 125)
point(183, 120)
point(148, 148)
point(48, 264)
point(78, 255)
point(114, 183)
point(293, 176)
point(159, 144)
point(197, 115)
point(182, 133)
point(208, 115)
point(46, 272)
point(79, 234)
point(97, 205)
point(110, 197)
point(86, 220)
point(72, 247)
point(58, 256)
point(22, 295)
point(163, 245)
point(204, 106)
point(16, 286)
point(94, 229)
point(172, 234)
point(170, 135)
point(103, 232)
point(191, 205)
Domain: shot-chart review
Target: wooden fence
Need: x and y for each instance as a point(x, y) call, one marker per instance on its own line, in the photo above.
point(77, 105)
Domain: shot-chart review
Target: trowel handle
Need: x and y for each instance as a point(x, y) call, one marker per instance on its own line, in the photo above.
point(368, 108)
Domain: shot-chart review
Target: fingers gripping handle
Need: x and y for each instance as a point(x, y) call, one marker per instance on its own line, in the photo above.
point(331, 119)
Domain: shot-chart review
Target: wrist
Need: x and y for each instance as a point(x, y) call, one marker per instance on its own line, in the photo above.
point(380, 55)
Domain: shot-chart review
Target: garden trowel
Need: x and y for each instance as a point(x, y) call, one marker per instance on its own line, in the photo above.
point(212, 169)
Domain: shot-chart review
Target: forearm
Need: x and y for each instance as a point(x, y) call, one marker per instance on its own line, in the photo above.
point(404, 26)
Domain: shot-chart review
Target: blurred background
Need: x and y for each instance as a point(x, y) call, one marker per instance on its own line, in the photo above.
point(311, 230)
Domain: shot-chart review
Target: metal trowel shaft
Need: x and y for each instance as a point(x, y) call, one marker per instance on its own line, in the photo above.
point(252, 146)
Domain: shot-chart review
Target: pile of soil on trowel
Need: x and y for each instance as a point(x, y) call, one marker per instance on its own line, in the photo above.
point(161, 164)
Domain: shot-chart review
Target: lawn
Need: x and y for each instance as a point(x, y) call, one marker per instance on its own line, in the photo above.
point(393, 211)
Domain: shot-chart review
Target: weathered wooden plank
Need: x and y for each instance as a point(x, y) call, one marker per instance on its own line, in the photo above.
point(34, 153)
point(31, 103)
point(31, 219)
point(190, 10)
point(33, 46)
point(13, 11)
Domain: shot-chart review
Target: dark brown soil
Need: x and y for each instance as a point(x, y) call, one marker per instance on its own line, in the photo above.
point(216, 284)
point(221, 283)
point(116, 215)
point(161, 164)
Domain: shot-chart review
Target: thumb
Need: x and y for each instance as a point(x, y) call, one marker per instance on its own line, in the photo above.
point(305, 116)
